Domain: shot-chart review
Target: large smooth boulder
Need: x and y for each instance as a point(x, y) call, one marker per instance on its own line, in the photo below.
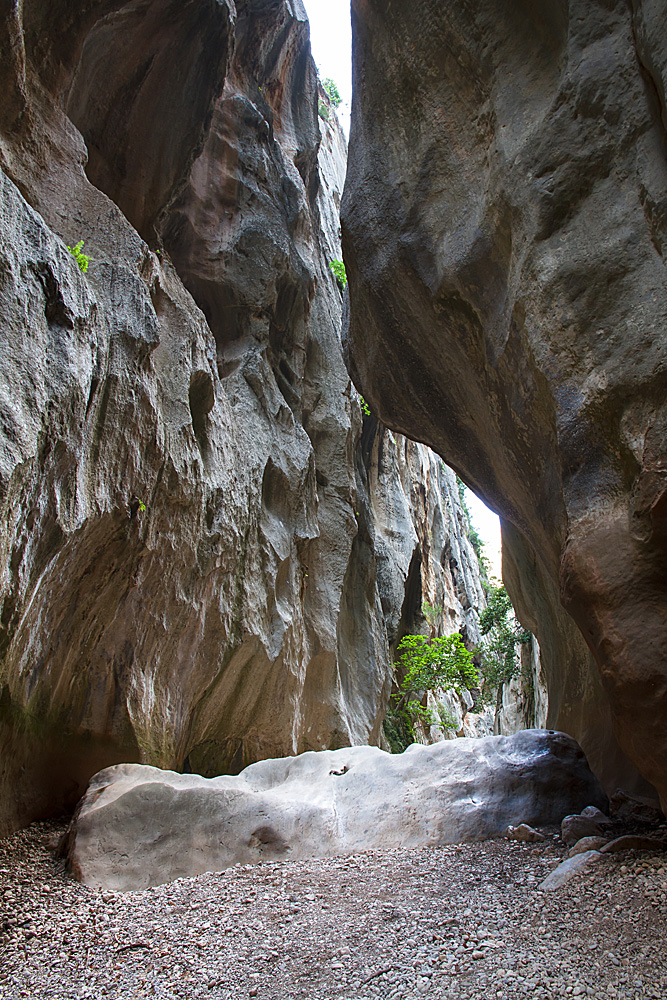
point(139, 826)
point(504, 225)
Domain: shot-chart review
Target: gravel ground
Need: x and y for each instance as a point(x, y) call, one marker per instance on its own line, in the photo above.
point(455, 922)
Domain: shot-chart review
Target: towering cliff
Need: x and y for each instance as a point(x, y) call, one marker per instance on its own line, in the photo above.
point(204, 559)
point(504, 224)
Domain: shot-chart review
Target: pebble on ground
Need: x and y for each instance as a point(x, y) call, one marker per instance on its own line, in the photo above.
point(462, 922)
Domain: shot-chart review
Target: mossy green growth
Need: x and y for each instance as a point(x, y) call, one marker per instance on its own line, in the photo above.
point(82, 260)
point(338, 268)
point(332, 92)
point(502, 634)
point(398, 728)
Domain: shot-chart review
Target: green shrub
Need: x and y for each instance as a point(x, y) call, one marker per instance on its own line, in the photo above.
point(79, 257)
point(439, 662)
point(365, 408)
point(323, 111)
point(426, 664)
point(338, 268)
point(503, 633)
point(401, 719)
point(332, 92)
point(446, 719)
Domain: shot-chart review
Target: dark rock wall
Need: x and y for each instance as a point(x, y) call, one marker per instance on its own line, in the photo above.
point(191, 569)
point(504, 222)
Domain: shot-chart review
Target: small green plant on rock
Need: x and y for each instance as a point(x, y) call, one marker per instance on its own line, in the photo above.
point(502, 634)
point(323, 111)
point(338, 268)
point(81, 259)
point(432, 613)
point(365, 408)
point(332, 92)
point(446, 719)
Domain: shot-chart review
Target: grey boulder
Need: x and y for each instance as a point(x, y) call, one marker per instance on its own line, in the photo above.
point(573, 828)
point(139, 826)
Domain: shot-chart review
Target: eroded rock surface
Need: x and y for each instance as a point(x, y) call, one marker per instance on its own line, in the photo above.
point(200, 563)
point(138, 826)
point(504, 229)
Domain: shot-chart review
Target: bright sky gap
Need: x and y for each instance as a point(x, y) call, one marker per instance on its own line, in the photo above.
point(331, 43)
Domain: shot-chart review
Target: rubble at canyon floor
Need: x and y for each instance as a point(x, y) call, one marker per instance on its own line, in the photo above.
point(458, 921)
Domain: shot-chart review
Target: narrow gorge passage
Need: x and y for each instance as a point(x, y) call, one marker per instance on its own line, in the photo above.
point(269, 725)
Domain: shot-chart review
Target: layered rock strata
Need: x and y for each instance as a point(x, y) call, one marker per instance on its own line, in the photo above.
point(504, 228)
point(191, 572)
point(138, 826)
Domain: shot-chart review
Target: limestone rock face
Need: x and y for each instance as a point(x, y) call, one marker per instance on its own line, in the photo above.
point(504, 224)
point(417, 524)
point(523, 701)
point(190, 571)
point(138, 826)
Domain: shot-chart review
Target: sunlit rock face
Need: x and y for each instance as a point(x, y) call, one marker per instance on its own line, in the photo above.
point(191, 573)
point(504, 222)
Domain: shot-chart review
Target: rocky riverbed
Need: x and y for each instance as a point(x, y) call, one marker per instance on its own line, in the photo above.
point(466, 921)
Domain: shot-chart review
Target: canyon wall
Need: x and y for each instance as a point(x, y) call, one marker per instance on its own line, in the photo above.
point(207, 552)
point(504, 224)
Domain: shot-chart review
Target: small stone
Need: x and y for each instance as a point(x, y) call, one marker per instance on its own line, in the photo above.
point(524, 833)
point(565, 871)
point(592, 812)
point(633, 843)
point(587, 844)
point(574, 827)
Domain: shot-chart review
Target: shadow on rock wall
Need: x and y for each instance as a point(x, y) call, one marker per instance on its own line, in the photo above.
point(504, 223)
point(189, 563)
